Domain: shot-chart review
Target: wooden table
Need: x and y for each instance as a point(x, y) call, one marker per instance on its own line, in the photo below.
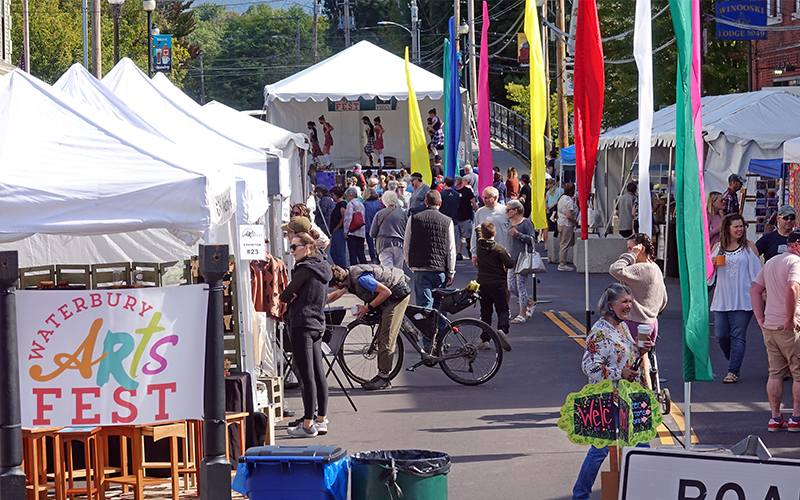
point(34, 462)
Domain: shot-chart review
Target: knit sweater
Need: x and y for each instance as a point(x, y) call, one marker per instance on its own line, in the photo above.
point(389, 228)
point(647, 286)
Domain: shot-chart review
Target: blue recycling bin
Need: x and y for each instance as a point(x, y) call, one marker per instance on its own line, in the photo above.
point(292, 472)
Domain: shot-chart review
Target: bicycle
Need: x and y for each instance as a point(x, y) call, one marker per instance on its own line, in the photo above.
point(467, 350)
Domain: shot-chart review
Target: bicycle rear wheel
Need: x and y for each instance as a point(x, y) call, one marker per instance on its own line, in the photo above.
point(359, 354)
point(480, 350)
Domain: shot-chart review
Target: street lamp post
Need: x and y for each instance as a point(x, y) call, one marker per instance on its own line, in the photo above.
point(149, 6)
point(414, 47)
point(117, 7)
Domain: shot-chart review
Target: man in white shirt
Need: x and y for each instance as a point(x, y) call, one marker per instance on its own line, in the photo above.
point(473, 179)
point(494, 212)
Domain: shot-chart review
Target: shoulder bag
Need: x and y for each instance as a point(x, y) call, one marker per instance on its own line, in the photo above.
point(529, 262)
point(356, 222)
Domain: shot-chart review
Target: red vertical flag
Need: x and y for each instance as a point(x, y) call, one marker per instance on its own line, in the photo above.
point(588, 101)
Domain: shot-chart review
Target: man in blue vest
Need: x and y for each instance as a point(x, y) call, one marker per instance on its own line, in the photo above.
point(430, 250)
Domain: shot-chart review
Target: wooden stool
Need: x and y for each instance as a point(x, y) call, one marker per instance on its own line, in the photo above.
point(136, 434)
point(34, 461)
point(230, 419)
point(93, 458)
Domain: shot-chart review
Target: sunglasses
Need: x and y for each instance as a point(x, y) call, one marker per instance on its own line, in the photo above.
point(789, 217)
point(295, 246)
point(510, 209)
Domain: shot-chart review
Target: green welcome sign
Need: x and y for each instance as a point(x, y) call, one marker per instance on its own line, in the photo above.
point(588, 416)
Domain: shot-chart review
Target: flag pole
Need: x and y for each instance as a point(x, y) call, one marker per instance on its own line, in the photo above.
point(687, 432)
point(586, 279)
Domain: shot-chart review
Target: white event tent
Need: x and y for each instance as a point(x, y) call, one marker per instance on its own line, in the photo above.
point(275, 140)
point(64, 170)
point(137, 91)
point(736, 129)
point(363, 71)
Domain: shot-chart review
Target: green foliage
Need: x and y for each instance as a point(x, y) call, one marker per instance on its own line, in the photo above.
point(244, 52)
point(56, 42)
point(520, 96)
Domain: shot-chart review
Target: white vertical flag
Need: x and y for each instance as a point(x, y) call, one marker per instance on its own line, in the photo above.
point(643, 53)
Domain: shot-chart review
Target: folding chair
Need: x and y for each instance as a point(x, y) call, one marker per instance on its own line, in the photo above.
point(332, 342)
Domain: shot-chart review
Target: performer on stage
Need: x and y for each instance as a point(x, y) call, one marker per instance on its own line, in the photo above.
point(315, 149)
point(327, 128)
point(378, 146)
point(369, 129)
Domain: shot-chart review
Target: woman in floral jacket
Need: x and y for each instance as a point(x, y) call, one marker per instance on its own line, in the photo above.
point(611, 353)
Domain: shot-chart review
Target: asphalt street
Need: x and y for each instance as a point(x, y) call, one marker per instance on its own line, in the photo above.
point(502, 436)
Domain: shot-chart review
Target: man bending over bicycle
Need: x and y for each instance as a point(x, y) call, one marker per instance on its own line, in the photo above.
point(381, 288)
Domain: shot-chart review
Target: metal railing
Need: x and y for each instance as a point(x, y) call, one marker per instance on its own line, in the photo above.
point(510, 129)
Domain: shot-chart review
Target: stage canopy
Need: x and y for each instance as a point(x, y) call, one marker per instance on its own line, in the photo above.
point(364, 80)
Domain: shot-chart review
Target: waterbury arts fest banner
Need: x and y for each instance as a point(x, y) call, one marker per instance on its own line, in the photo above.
point(105, 357)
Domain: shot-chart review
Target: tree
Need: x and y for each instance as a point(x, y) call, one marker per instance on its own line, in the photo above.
point(242, 53)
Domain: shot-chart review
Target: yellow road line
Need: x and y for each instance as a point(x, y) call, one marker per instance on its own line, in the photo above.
point(677, 415)
point(564, 327)
point(664, 436)
point(574, 321)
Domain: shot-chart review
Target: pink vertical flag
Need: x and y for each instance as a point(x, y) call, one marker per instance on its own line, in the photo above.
point(588, 102)
point(697, 120)
point(484, 138)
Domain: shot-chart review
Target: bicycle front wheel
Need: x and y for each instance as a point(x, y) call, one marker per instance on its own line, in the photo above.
point(359, 354)
point(480, 352)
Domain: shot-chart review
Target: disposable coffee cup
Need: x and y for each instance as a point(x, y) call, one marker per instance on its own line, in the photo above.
point(643, 334)
point(720, 260)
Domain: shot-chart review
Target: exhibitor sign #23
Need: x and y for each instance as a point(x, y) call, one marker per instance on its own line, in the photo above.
point(105, 357)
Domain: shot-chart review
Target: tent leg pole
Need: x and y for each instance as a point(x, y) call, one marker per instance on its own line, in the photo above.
point(667, 212)
point(687, 433)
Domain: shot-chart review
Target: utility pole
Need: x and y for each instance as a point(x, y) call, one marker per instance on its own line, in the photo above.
point(85, 20)
point(297, 19)
point(457, 17)
point(316, 4)
point(26, 50)
point(561, 74)
point(202, 81)
point(97, 64)
point(415, 32)
point(346, 23)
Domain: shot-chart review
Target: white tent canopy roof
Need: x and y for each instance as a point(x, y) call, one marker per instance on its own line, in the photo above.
point(363, 70)
point(766, 117)
point(791, 151)
point(63, 171)
point(139, 93)
point(252, 130)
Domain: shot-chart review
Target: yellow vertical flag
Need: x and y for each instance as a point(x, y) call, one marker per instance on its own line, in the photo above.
point(539, 103)
point(416, 134)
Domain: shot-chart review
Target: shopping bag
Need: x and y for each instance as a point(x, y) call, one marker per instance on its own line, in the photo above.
point(529, 262)
point(356, 222)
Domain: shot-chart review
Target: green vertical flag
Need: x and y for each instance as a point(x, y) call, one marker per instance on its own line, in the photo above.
point(688, 201)
point(446, 69)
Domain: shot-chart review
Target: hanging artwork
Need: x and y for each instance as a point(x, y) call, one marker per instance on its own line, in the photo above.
point(639, 414)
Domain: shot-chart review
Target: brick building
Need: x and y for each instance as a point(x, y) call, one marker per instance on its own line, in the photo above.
point(5, 37)
point(780, 51)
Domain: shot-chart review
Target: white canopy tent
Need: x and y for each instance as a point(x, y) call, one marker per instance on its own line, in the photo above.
point(363, 71)
point(791, 151)
point(736, 129)
point(137, 91)
point(252, 133)
point(65, 170)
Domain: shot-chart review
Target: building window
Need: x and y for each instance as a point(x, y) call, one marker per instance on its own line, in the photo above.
point(774, 11)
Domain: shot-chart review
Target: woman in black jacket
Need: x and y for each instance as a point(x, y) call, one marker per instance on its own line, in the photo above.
point(306, 296)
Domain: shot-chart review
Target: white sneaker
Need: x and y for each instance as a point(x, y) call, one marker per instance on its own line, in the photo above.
point(483, 346)
point(321, 427)
point(565, 268)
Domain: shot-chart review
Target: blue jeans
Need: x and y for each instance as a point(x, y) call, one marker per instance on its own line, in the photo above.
point(730, 328)
point(371, 246)
point(424, 282)
point(591, 466)
point(339, 248)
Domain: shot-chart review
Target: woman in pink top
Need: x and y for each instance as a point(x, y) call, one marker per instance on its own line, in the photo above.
point(714, 207)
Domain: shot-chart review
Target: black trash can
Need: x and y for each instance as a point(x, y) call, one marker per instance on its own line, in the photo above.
point(392, 474)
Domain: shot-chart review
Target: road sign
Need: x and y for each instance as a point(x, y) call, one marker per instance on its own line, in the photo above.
point(674, 475)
